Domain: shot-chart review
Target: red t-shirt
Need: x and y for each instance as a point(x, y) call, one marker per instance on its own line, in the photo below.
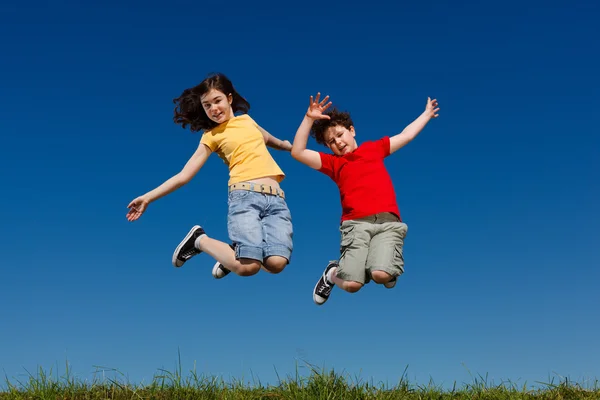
point(365, 185)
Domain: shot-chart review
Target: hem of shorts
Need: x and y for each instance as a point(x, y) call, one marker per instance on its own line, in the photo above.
point(394, 272)
point(346, 277)
point(281, 251)
point(245, 251)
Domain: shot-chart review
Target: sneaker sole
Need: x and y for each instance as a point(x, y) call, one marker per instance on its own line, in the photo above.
point(394, 282)
point(215, 269)
point(177, 263)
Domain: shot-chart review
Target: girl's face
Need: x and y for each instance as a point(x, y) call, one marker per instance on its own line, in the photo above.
point(217, 106)
point(340, 140)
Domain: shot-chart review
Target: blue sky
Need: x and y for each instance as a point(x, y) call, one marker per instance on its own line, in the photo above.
point(500, 193)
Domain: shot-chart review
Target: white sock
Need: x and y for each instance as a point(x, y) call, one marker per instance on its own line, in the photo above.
point(331, 274)
point(197, 241)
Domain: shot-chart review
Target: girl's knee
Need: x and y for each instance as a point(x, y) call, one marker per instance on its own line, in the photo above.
point(380, 277)
point(248, 267)
point(353, 287)
point(275, 264)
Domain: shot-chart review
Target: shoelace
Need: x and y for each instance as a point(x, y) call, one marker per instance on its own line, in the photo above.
point(189, 253)
point(325, 288)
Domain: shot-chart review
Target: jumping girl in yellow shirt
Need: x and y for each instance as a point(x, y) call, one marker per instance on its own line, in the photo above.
point(259, 222)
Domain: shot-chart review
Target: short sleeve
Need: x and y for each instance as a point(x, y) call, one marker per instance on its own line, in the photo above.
point(252, 121)
point(381, 147)
point(327, 164)
point(208, 140)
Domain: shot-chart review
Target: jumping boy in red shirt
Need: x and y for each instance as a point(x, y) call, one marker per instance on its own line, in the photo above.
point(372, 231)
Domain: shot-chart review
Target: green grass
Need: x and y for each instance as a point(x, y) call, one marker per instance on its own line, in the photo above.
point(317, 385)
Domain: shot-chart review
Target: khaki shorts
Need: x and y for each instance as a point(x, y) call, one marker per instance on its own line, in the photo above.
point(369, 244)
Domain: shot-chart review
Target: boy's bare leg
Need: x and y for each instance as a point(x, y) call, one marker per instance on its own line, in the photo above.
point(383, 278)
point(329, 278)
point(348, 286)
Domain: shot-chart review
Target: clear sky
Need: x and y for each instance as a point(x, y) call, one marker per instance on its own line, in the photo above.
point(500, 193)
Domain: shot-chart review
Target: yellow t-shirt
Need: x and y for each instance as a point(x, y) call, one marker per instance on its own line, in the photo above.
point(242, 147)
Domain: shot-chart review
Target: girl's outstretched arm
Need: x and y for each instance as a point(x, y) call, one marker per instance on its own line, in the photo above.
point(191, 168)
point(275, 143)
point(411, 131)
point(299, 150)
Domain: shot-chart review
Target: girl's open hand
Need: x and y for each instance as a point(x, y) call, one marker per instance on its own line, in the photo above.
point(136, 208)
point(432, 108)
point(316, 107)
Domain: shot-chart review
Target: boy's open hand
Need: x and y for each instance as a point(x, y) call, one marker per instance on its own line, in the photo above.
point(316, 108)
point(432, 108)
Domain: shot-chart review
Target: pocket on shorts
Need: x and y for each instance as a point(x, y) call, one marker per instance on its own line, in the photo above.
point(347, 236)
point(402, 229)
point(399, 257)
point(237, 195)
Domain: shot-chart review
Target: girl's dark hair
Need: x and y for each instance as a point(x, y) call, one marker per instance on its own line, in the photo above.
point(188, 106)
point(337, 118)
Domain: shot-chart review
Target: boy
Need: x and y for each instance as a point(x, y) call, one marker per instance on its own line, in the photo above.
point(372, 231)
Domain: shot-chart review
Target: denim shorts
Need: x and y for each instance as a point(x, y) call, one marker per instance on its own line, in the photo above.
point(259, 225)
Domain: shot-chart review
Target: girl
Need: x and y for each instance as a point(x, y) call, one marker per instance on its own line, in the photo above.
point(259, 222)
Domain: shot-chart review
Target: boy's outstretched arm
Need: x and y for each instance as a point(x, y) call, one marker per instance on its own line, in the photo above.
point(273, 142)
point(411, 131)
point(299, 150)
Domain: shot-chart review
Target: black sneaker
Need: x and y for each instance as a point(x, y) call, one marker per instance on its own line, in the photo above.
point(323, 287)
point(391, 283)
point(187, 248)
point(219, 271)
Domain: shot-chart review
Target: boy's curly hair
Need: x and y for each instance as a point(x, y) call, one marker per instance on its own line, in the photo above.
point(337, 118)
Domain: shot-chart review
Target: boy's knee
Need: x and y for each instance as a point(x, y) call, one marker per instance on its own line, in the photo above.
point(248, 267)
point(353, 287)
point(380, 277)
point(275, 264)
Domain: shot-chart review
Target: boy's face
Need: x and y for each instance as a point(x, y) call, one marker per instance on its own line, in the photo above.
point(340, 140)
